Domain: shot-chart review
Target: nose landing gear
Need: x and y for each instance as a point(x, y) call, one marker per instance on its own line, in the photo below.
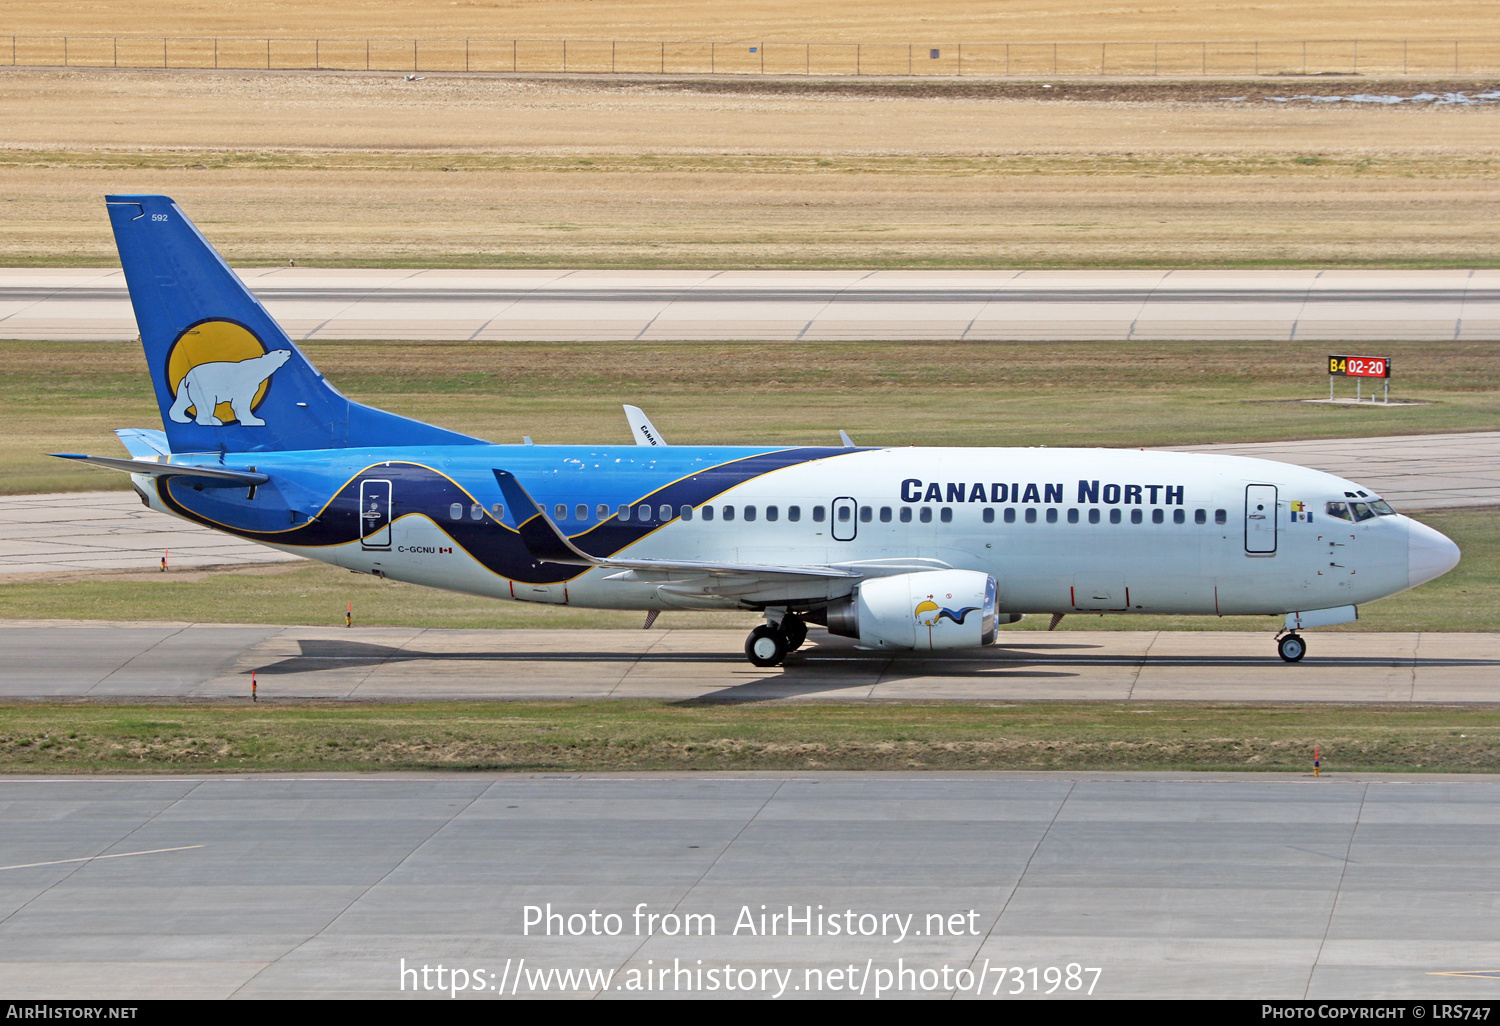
point(769, 643)
point(1291, 647)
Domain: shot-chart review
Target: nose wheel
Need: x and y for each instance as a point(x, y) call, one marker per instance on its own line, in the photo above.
point(1291, 647)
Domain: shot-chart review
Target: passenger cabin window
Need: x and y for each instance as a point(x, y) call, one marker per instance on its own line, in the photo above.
point(866, 514)
point(643, 512)
point(499, 509)
point(728, 512)
point(602, 512)
point(581, 512)
point(684, 512)
point(1031, 514)
point(1010, 514)
point(1221, 516)
point(708, 512)
point(1114, 516)
point(1179, 516)
point(665, 512)
point(623, 514)
point(1136, 516)
point(926, 515)
point(1072, 516)
point(1200, 516)
point(844, 513)
point(773, 513)
point(906, 514)
point(818, 514)
point(476, 512)
point(1051, 515)
point(946, 515)
point(1093, 516)
point(794, 513)
point(989, 514)
point(749, 513)
point(456, 511)
point(559, 512)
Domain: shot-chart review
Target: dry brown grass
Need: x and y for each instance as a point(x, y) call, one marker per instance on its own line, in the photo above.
point(341, 169)
point(682, 214)
point(849, 20)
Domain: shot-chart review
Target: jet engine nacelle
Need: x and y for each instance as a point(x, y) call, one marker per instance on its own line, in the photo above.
point(928, 610)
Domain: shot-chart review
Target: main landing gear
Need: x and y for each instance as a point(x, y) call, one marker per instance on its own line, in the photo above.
point(769, 643)
point(1291, 647)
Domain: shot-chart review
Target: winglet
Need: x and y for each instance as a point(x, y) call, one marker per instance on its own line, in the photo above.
point(844, 437)
point(641, 428)
point(542, 538)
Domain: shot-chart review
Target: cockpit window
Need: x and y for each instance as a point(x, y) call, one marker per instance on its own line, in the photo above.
point(1338, 510)
point(1383, 508)
point(1362, 511)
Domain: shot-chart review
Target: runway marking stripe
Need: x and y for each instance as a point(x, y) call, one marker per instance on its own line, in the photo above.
point(93, 858)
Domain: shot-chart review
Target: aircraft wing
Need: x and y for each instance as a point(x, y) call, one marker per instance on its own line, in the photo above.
point(222, 477)
point(688, 577)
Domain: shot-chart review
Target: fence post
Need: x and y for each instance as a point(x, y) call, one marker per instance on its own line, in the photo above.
point(1102, 49)
point(317, 55)
point(1355, 68)
point(512, 56)
point(807, 56)
point(712, 46)
point(413, 56)
point(164, 51)
point(1403, 56)
point(908, 58)
point(1054, 58)
point(1007, 58)
point(611, 56)
point(216, 53)
point(466, 55)
point(65, 51)
point(960, 60)
point(762, 56)
point(1205, 58)
point(1304, 57)
point(268, 55)
point(1455, 56)
point(367, 55)
point(857, 48)
point(116, 41)
point(1257, 56)
point(565, 56)
point(663, 56)
point(1155, 60)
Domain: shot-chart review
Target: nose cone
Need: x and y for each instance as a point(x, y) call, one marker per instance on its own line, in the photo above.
point(1429, 553)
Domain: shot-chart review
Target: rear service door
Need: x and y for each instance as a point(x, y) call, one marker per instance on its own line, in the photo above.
point(375, 515)
point(845, 523)
point(1260, 520)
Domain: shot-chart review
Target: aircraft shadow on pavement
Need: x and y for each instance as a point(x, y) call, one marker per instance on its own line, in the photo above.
point(321, 654)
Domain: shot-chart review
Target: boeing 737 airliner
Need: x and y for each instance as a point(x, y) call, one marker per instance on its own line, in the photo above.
point(901, 549)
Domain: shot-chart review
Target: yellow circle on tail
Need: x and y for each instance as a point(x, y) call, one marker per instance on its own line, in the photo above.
point(214, 342)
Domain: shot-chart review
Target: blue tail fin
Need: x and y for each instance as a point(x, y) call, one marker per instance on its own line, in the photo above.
point(226, 375)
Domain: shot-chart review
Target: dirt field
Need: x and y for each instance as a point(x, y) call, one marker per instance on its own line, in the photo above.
point(371, 170)
point(834, 20)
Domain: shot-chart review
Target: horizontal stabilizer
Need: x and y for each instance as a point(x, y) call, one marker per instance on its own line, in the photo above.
point(221, 477)
point(143, 442)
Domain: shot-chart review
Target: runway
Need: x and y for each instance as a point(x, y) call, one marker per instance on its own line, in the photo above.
point(312, 303)
point(1153, 885)
point(213, 662)
point(81, 531)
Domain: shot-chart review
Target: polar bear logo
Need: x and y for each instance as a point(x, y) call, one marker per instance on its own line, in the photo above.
point(208, 384)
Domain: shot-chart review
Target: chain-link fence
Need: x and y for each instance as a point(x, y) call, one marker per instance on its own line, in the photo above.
point(587, 56)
